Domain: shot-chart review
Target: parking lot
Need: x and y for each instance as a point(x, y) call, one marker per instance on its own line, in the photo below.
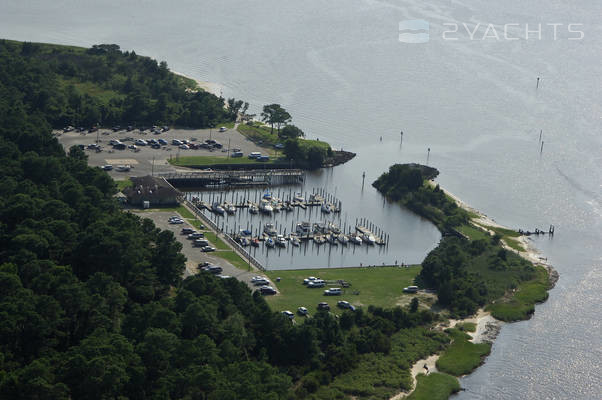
point(194, 255)
point(144, 159)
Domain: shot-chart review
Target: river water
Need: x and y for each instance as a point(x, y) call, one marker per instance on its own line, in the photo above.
point(469, 95)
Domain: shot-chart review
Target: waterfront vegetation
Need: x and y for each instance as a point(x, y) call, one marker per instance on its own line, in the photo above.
point(470, 268)
point(462, 356)
point(102, 84)
point(378, 286)
point(304, 152)
point(434, 386)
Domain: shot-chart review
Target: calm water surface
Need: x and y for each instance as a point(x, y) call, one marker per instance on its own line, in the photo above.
point(341, 71)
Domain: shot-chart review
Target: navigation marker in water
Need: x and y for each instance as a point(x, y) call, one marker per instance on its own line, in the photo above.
point(428, 153)
point(537, 87)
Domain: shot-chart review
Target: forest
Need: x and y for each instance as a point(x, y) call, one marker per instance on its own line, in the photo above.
point(104, 85)
point(92, 300)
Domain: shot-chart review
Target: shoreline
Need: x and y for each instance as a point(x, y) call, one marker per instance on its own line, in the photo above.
point(211, 87)
point(487, 327)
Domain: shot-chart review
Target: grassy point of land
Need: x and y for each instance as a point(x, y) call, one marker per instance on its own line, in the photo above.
point(462, 356)
point(434, 386)
point(521, 304)
point(378, 286)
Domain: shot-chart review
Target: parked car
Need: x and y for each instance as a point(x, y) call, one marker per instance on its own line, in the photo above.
point(410, 289)
point(279, 146)
point(237, 154)
point(184, 147)
point(122, 168)
point(200, 243)
point(343, 304)
point(119, 146)
point(176, 221)
point(162, 142)
point(215, 269)
point(187, 231)
point(132, 147)
point(207, 249)
point(176, 142)
point(323, 306)
point(222, 129)
point(332, 292)
point(302, 311)
point(254, 154)
point(288, 314)
point(107, 167)
point(267, 290)
point(140, 142)
point(307, 280)
point(203, 264)
point(261, 281)
point(318, 283)
point(196, 235)
point(263, 158)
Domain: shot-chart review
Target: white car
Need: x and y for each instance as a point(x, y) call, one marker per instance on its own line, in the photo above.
point(307, 280)
point(107, 167)
point(261, 281)
point(288, 314)
point(302, 310)
point(184, 147)
point(176, 142)
point(222, 129)
point(123, 168)
point(176, 221)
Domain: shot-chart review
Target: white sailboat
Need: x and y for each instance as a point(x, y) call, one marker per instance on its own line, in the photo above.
point(265, 207)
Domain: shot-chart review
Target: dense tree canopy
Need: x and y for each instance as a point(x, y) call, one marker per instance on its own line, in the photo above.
point(75, 86)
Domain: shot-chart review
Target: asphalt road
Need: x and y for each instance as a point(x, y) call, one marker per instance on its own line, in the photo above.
point(147, 159)
point(194, 255)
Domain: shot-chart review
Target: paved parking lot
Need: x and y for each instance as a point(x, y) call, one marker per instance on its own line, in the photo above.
point(194, 255)
point(146, 159)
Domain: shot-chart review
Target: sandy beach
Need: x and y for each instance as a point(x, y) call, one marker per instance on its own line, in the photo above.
point(210, 87)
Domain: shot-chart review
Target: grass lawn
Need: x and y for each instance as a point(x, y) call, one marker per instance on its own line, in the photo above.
point(122, 184)
point(233, 258)
point(466, 326)
point(522, 303)
point(379, 286)
point(183, 211)
point(184, 161)
point(434, 386)
point(473, 232)
point(462, 356)
point(196, 223)
point(216, 241)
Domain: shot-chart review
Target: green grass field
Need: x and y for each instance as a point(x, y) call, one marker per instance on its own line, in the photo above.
point(184, 161)
point(522, 303)
point(233, 258)
point(217, 242)
point(473, 232)
point(462, 356)
point(434, 386)
point(379, 286)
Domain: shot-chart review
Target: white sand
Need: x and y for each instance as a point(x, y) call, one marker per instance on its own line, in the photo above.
point(210, 87)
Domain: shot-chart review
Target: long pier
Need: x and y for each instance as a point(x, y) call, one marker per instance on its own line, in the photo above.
point(245, 178)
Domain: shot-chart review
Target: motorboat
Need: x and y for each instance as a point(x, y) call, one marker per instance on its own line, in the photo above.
point(267, 196)
point(243, 241)
point(319, 239)
point(253, 209)
point(303, 228)
point(325, 208)
point(332, 239)
point(314, 198)
point(368, 238)
point(269, 229)
point(355, 239)
point(245, 232)
point(217, 208)
point(288, 207)
point(343, 239)
point(333, 228)
point(230, 209)
point(269, 242)
point(295, 241)
point(299, 198)
point(265, 207)
point(280, 241)
point(255, 242)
